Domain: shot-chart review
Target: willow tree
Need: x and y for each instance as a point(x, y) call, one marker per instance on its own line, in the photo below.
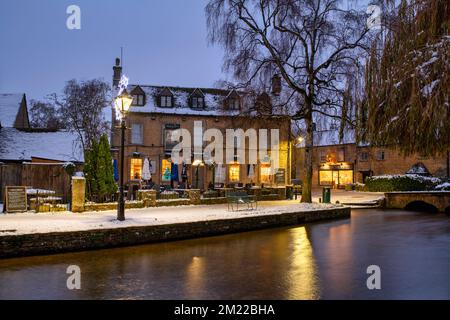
point(309, 43)
point(407, 80)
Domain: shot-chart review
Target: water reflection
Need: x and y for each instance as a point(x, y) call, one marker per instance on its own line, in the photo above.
point(302, 279)
point(317, 261)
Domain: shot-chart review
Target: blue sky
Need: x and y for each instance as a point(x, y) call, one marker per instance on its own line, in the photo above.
point(164, 43)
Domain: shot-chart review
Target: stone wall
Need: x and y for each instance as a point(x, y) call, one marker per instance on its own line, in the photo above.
point(56, 242)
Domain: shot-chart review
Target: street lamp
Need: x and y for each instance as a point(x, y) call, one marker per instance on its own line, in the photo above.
point(122, 103)
point(196, 164)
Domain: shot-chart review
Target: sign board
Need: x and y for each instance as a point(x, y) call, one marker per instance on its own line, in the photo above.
point(280, 176)
point(16, 199)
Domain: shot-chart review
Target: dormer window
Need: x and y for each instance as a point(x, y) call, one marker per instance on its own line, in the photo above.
point(197, 99)
point(138, 96)
point(232, 101)
point(233, 104)
point(138, 100)
point(198, 102)
point(166, 101)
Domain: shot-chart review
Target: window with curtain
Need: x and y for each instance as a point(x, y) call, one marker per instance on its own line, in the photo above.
point(234, 172)
point(265, 173)
point(136, 169)
point(136, 133)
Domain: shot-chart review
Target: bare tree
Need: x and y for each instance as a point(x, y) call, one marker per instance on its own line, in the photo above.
point(81, 106)
point(44, 115)
point(311, 44)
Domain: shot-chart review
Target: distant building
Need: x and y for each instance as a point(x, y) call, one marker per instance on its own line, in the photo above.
point(338, 163)
point(27, 154)
point(158, 110)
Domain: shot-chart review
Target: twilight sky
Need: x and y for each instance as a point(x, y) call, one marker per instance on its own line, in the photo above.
point(164, 43)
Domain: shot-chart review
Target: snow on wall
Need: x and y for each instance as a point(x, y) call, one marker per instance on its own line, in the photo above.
point(22, 145)
point(9, 108)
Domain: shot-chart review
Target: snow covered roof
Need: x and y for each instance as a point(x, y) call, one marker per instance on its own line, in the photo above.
point(329, 138)
point(22, 145)
point(9, 108)
point(213, 100)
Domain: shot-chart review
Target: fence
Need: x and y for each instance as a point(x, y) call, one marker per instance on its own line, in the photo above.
point(49, 176)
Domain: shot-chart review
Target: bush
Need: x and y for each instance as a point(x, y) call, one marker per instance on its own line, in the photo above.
point(407, 182)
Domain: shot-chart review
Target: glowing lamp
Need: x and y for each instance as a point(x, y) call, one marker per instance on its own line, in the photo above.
point(123, 102)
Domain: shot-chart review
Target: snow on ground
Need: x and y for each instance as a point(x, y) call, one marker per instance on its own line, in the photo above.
point(30, 222)
point(442, 186)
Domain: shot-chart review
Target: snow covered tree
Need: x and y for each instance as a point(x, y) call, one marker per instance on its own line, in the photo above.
point(311, 44)
point(408, 82)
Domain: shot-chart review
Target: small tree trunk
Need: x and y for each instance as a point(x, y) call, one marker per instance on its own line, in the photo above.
point(308, 160)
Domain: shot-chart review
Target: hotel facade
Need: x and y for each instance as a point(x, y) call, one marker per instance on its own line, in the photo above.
point(157, 111)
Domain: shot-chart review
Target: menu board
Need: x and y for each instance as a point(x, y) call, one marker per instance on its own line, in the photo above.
point(16, 199)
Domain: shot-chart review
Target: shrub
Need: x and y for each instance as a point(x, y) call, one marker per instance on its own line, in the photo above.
point(407, 182)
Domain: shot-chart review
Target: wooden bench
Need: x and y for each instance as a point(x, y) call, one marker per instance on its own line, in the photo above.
point(241, 197)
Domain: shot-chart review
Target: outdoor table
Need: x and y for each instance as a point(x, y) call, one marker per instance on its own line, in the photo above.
point(223, 191)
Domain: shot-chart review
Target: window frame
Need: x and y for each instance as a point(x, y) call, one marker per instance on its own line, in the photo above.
point(141, 133)
point(196, 104)
point(165, 98)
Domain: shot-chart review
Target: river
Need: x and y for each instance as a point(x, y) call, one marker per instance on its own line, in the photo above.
point(326, 260)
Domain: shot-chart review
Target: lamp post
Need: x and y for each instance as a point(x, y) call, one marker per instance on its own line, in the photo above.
point(197, 163)
point(123, 103)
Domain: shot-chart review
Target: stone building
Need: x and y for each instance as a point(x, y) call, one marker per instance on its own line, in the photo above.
point(158, 110)
point(340, 163)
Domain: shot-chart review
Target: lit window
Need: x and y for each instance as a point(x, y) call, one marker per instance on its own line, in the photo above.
point(136, 133)
point(325, 178)
point(166, 101)
point(265, 173)
point(234, 172)
point(166, 168)
point(345, 177)
point(197, 102)
point(136, 169)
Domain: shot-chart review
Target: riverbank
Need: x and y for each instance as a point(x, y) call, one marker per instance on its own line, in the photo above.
point(33, 234)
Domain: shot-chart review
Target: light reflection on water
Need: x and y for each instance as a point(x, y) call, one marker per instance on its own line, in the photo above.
point(317, 261)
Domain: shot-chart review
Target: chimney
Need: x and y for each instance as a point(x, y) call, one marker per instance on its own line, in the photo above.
point(276, 85)
point(117, 73)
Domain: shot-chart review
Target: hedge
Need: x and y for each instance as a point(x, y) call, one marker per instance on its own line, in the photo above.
point(407, 182)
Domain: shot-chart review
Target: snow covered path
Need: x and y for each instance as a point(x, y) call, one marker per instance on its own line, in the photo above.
point(30, 222)
point(24, 223)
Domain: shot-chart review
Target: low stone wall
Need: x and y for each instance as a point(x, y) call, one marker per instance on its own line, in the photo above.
point(56, 242)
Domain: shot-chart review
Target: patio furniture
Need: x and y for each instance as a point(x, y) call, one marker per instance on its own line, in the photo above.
point(241, 197)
